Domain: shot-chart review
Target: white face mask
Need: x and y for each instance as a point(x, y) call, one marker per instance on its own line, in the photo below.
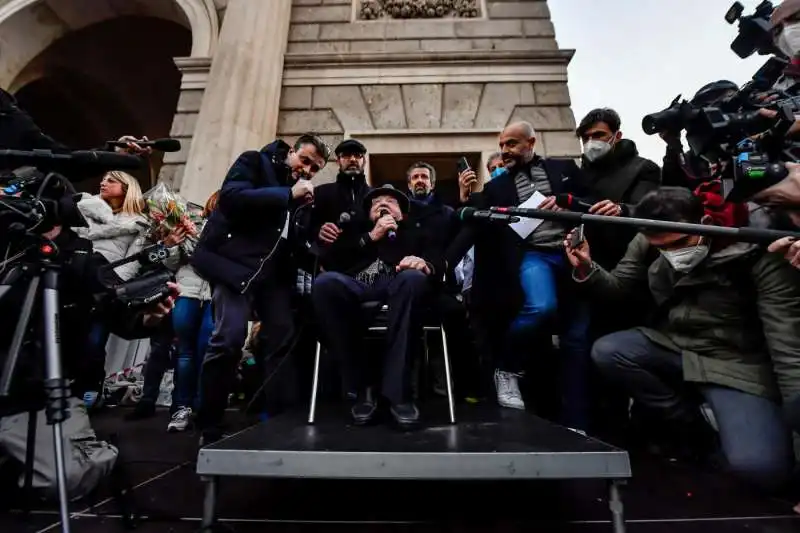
point(686, 259)
point(596, 149)
point(789, 39)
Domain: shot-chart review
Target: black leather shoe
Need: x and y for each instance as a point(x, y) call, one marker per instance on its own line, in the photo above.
point(363, 412)
point(405, 414)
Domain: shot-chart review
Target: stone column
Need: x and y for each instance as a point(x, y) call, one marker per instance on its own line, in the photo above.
point(240, 106)
point(194, 77)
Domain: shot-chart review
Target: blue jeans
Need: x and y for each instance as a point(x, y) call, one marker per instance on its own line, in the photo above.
point(755, 439)
point(539, 274)
point(193, 323)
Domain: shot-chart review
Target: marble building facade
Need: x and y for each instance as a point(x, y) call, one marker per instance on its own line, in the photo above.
point(403, 76)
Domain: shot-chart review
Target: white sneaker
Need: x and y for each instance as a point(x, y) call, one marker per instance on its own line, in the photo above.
point(181, 420)
point(507, 386)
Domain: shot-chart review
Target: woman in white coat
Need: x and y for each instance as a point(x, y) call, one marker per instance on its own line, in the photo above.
point(114, 220)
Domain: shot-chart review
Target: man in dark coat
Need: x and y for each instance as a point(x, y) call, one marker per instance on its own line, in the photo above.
point(514, 279)
point(437, 219)
point(618, 178)
point(385, 259)
point(246, 252)
point(344, 196)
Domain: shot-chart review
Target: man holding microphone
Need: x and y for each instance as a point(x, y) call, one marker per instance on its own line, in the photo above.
point(246, 253)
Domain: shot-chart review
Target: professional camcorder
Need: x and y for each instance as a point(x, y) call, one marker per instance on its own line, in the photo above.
point(739, 135)
point(755, 31)
point(142, 291)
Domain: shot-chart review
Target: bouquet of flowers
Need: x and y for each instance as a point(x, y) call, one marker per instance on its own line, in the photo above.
point(168, 211)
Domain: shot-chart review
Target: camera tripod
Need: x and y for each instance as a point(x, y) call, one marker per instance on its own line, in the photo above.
point(42, 288)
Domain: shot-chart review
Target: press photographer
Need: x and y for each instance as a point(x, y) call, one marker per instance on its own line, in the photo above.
point(725, 326)
point(44, 258)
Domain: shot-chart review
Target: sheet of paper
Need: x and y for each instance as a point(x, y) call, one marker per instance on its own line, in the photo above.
point(526, 226)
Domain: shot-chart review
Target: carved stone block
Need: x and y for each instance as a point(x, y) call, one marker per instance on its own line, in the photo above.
point(417, 9)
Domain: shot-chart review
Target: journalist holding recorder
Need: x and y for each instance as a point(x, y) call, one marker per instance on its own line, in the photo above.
point(724, 330)
point(246, 253)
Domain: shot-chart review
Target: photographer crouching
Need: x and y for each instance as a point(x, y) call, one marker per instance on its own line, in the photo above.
point(724, 331)
point(37, 237)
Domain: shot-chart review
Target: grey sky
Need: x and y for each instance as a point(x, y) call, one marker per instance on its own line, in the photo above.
point(637, 55)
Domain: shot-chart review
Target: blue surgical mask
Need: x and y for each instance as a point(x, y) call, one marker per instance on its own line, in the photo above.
point(499, 171)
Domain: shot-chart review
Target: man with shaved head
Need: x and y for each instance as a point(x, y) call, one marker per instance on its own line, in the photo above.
point(514, 283)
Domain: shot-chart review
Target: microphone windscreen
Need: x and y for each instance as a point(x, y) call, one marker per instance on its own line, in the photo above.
point(167, 145)
point(465, 213)
point(564, 201)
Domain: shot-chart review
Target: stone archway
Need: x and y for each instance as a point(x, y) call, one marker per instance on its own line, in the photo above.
point(55, 51)
point(28, 27)
point(110, 78)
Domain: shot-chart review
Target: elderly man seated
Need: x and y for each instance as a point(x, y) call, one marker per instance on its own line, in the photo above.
point(387, 259)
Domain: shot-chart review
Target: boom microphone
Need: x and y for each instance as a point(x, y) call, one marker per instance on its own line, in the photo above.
point(162, 145)
point(753, 235)
point(567, 201)
point(470, 213)
point(90, 161)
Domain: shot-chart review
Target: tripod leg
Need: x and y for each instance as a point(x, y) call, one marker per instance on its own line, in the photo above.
point(30, 449)
point(58, 391)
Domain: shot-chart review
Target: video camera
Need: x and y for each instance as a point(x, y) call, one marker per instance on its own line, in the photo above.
point(733, 135)
point(35, 200)
point(142, 291)
point(755, 31)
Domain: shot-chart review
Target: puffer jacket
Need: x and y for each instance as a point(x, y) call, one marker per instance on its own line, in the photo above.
point(734, 319)
point(114, 236)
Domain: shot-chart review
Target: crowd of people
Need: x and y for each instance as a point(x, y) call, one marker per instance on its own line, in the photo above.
point(666, 341)
point(674, 342)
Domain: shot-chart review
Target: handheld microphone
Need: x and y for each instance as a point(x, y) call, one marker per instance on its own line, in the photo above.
point(391, 234)
point(344, 219)
point(567, 201)
point(470, 213)
point(162, 145)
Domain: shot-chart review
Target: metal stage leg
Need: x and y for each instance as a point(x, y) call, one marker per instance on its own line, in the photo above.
point(210, 504)
point(615, 504)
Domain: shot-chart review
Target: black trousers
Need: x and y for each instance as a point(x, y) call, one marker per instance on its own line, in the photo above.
point(158, 362)
point(337, 302)
point(464, 356)
point(272, 302)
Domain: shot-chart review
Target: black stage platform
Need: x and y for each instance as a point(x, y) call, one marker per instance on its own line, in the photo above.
point(663, 497)
point(499, 445)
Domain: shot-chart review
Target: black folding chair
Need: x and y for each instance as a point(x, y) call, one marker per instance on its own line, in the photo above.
point(379, 324)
